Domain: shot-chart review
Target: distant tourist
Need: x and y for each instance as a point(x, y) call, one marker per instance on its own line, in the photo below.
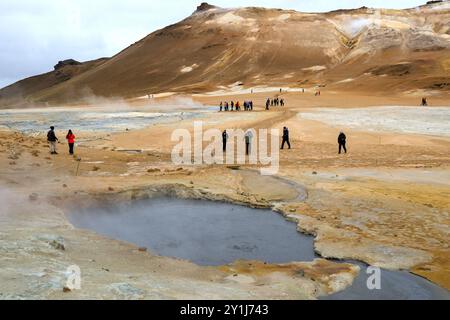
point(225, 140)
point(221, 106)
point(286, 138)
point(424, 102)
point(52, 139)
point(267, 104)
point(282, 102)
point(71, 140)
point(342, 140)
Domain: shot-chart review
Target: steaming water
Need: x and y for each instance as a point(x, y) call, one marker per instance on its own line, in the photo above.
point(206, 233)
point(211, 234)
point(39, 120)
point(416, 120)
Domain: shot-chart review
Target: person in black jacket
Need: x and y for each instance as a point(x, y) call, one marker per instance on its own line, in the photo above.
point(52, 139)
point(224, 140)
point(286, 138)
point(342, 140)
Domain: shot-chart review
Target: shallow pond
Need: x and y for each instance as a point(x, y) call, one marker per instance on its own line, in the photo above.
point(30, 121)
point(212, 234)
point(416, 120)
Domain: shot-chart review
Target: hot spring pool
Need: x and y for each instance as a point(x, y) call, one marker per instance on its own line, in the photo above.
point(213, 234)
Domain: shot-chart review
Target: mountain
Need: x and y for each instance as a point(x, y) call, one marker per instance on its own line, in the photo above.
point(373, 50)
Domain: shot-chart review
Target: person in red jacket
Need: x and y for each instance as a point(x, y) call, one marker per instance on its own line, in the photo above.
point(71, 139)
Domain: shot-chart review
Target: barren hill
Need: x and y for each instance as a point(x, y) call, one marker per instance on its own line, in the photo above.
point(376, 50)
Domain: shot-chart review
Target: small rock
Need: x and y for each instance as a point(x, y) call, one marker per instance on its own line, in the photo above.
point(314, 173)
point(301, 273)
point(110, 189)
point(66, 289)
point(64, 185)
point(33, 197)
point(58, 245)
point(68, 62)
point(142, 249)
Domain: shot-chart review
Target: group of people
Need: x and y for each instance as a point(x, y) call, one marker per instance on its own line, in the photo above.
point(248, 105)
point(342, 140)
point(232, 106)
point(70, 137)
point(274, 102)
point(53, 140)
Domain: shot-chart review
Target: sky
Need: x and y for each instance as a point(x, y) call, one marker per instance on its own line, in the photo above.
point(35, 35)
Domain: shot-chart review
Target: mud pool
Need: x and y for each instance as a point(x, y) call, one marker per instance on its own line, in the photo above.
point(213, 234)
point(206, 233)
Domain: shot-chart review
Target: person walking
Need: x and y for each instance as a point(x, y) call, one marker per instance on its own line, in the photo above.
point(71, 140)
point(286, 138)
point(52, 139)
point(248, 141)
point(224, 140)
point(342, 140)
point(267, 104)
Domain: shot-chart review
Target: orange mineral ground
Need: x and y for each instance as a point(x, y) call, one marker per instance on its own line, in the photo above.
point(385, 203)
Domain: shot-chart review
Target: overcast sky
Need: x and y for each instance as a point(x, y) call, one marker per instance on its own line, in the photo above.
point(36, 34)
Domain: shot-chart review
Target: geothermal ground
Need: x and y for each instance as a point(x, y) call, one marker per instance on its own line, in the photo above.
point(385, 203)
